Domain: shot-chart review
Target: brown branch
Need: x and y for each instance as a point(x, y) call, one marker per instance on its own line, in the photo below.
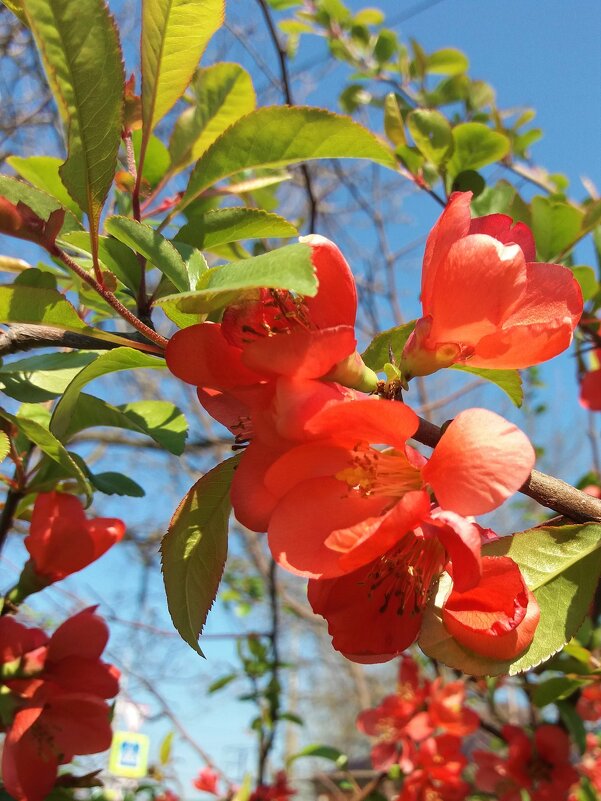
point(22, 336)
point(546, 490)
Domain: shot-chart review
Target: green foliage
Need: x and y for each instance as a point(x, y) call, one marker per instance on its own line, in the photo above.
point(383, 345)
point(16, 6)
point(277, 136)
point(111, 483)
point(219, 227)
point(42, 378)
point(322, 751)
point(510, 381)
point(475, 146)
point(4, 446)
point(112, 254)
point(220, 95)
point(194, 550)
point(80, 50)
point(555, 225)
point(561, 566)
point(43, 173)
point(289, 267)
point(40, 202)
point(393, 121)
point(432, 135)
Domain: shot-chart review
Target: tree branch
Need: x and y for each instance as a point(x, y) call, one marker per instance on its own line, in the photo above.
point(27, 337)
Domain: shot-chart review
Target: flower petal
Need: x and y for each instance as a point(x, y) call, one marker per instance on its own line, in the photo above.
point(252, 502)
point(480, 461)
point(590, 391)
point(336, 299)
point(503, 228)
point(462, 542)
point(83, 635)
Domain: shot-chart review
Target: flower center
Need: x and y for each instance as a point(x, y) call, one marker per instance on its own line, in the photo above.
point(373, 472)
point(275, 312)
point(406, 573)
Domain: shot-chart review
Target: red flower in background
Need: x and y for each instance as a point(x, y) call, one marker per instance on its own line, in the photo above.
point(589, 703)
point(61, 701)
point(62, 540)
point(207, 781)
point(525, 313)
point(540, 765)
point(280, 790)
point(590, 387)
point(275, 333)
point(436, 772)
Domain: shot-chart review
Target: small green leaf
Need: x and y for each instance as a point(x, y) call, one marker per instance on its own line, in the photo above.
point(166, 748)
point(156, 160)
point(160, 420)
point(4, 446)
point(222, 682)
point(322, 751)
point(40, 202)
point(587, 281)
point(221, 94)
point(110, 362)
point(81, 54)
point(280, 135)
point(469, 181)
point(289, 267)
point(153, 246)
point(432, 135)
point(222, 226)
point(561, 565)
point(43, 173)
point(556, 689)
point(111, 483)
point(113, 255)
point(42, 378)
point(555, 225)
point(510, 381)
point(476, 145)
point(175, 34)
point(194, 550)
point(377, 354)
point(393, 121)
point(447, 61)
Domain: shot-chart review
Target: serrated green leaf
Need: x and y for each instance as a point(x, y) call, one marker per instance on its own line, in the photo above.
point(281, 135)
point(175, 34)
point(221, 94)
point(81, 54)
point(43, 173)
point(194, 550)
point(4, 446)
point(113, 255)
point(40, 202)
point(110, 362)
point(447, 61)
point(323, 751)
point(561, 565)
point(377, 353)
point(476, 145)
point(37, 433)
point(153, 246)
point(289, 267)
point(42, 378)
point(160, 420)
point(555, 226)
point(432, 135)
point(111, 483)
point(222, 226)
point(510, 381)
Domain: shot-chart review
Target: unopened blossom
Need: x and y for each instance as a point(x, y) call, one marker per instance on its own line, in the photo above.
point(62, 540)
point(486, 302)
point(273, 332)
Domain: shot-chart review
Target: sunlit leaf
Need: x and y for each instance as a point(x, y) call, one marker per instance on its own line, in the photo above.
point(43, 172)
point(221, 226)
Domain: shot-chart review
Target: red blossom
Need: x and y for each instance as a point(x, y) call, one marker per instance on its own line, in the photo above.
point(526, 311)
point(207, 781)
point(280, 790)
point(62, 540)
point(436, 772)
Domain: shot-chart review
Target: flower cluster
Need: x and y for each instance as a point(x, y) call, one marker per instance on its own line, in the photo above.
point(54, 699)
point(420, 728)
point(329, 472)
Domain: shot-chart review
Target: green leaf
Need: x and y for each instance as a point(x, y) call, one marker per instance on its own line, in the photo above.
point(323, 751)
point(194, 550)
point(556, 689)
point(110, 362)
point(573, 723)
point(111, 483)
point(43, 173)
point(156, 159)
point(475, 147)
point(377, 354)
point(40, 202)
point(510, 381)
point(16, 6)
point(166, 748)
point(153, 246)
point(221, 682)
point(42, 378)
point(26, 304)
point(447, 61)
point(4, 446)
point(280, 135)
point(393, 121)
point(37, 433)
point(113, 255)
point(555, 225)
point(222, 226)
point(175, 34)
point(221, 94)
point(80, 51)
point(289, 267)
point(432, 135)
point(561, 565)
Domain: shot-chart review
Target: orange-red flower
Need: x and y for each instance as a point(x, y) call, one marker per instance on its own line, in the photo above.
point(485, 300)
point(62, 540)
point(59, 688)
point(275, 333)
point(436, 771)
point(590, 387)
point(207, 781)
point(540, 765)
